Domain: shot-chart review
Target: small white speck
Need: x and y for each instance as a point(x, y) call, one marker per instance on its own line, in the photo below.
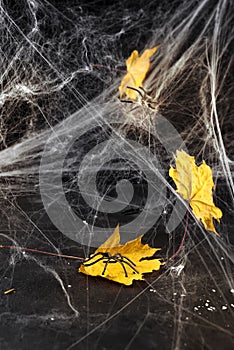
point(175, 293)
point(52, 318)
point(224, 307)
point(211, 308)
point(213, 290)
point(232, 305)
point(69, 286)
point(208, 301)
point(183, 295)
point(152, 290)
point(195, 308)
point(206, 304)
point(186, 318)
point(222, 258)
point(232, 291)
point(23, 253)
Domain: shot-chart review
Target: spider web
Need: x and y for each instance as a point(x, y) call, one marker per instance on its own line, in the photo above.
point(75, 162)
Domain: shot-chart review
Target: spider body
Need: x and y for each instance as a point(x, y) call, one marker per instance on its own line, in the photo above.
point(144, 99)
point(107, 259)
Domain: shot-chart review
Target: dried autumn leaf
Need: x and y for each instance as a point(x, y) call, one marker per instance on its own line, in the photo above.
point(137, 67)
point(134, 251)
point(195, 184)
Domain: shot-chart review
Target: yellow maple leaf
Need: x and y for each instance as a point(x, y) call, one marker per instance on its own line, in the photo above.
point(130, 255)
point(137, 67)
point(195, 184)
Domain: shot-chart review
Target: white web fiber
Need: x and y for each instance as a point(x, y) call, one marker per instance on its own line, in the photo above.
point(75, 161)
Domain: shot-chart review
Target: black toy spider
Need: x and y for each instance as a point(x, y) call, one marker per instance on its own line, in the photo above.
point(112, 259)
point(144, 100)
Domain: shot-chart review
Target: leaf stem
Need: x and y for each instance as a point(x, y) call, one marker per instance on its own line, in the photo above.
point(40, 252)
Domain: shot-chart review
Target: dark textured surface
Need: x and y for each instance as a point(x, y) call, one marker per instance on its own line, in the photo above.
point(114, 317)
point(189, 303)
point(192, 310)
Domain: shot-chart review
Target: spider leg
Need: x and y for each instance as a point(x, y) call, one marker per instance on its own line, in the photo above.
point(107, 258)
point(124, 257)
point(115, 260)
point(94, 262)
point(140, 87)
point(125, 260)
point(103, 255)
point(151, 106)
point(124, 268)
point(93, 256)
point(106, 264)
point(132, 267)
point(139, 92)
point(126, 101)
